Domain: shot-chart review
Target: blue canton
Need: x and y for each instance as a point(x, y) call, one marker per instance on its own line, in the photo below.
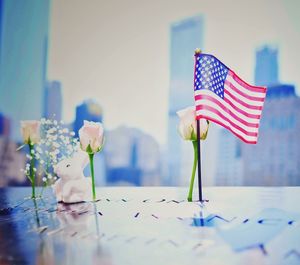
point(210, 74)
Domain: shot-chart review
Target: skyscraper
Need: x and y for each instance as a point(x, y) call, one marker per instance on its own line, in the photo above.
point(266, 68)
point(53, 100)
point(10, 163)
point(4, 125)
point(186, 35)
point(275, 159)
point(132, 157)
point(23, 59)
point(229, 171)
point(89, 110)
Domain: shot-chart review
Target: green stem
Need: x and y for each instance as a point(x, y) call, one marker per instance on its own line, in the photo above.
point(190, 196)
point(91, 156)
point(37, 218)
point(31, 171)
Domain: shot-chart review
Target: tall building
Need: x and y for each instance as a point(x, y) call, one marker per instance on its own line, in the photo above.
point(266, 68)
point(24, 27)
point(229, 170)
point(132, 158)
point(185, 36)
point(88, 110)
point(53, 100)
point(4, 126)
point(275, 159)
point(10, 163)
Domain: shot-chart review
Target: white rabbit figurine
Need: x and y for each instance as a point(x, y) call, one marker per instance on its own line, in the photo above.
point(72, 186)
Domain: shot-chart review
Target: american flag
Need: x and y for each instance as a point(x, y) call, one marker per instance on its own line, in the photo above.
point(224, 98)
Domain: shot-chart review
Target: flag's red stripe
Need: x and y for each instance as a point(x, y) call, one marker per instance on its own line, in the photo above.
point(242, 93)
point(246, 85)
point(210, 98)
point(249, 115)
point(225, 126)
point(240, 101)
point(213, 110)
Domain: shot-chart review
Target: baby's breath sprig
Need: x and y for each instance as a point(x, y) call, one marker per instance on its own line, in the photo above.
point(57, 142)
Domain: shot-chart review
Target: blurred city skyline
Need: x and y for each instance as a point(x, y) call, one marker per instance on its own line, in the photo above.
point(77, 69)
point(120, 56)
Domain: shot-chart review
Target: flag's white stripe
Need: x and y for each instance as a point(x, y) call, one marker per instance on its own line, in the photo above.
point(245, 90)
point(239, 114)
point(205, 102)
point(240, 106)
point(216, 117)
point(242, 98)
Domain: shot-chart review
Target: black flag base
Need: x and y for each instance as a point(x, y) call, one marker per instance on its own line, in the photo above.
point(203, 202)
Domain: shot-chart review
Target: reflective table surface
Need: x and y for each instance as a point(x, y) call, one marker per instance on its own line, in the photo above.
point(238, 225)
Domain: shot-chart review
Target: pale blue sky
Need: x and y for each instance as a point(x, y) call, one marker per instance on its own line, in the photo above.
point(118, 51)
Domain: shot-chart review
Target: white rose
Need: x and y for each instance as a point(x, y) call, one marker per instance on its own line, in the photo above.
point(91, 134)
point(188, 126)
point(30, 131)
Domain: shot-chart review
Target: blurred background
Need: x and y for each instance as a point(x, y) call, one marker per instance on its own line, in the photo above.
point(129, 64)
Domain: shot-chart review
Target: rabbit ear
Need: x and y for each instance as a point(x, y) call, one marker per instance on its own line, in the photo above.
point(82, 158)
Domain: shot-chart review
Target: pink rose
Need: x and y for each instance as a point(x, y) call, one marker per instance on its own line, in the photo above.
point(188, 127)
point(30, 131)
point(91, 136)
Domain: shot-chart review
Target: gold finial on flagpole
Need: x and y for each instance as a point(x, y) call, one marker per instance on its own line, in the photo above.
point(197, 51)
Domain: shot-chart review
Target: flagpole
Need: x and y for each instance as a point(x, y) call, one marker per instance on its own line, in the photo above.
point(199, 161)
point(198, 51)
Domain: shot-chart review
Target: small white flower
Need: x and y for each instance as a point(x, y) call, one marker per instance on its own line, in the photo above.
point(44, 179)
point(50, 131)
point(72, 133)
point(55, 144)
point(39, 149)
